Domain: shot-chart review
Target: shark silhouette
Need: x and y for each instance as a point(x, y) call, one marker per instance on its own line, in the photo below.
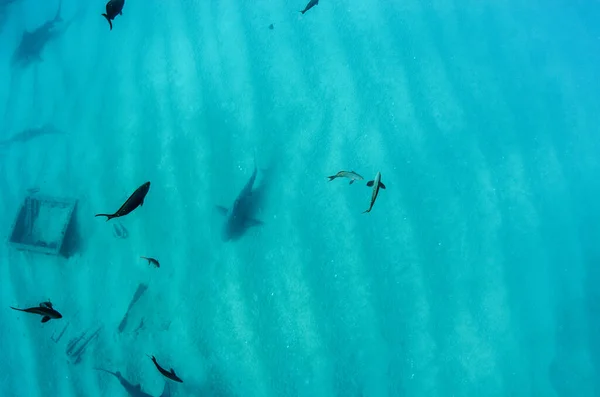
point(32, 44)
point(135, 390)
point(239, 217)
point(31, 133)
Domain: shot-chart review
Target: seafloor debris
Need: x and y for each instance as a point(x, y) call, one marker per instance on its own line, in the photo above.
point(119, 230)
point(138, 293)
point(75, 349)
point(57, 339)
point(43, 225)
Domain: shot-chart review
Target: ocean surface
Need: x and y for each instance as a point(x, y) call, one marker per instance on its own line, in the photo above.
point(476, 273)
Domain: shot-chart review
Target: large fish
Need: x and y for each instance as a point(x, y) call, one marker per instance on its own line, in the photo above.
point(240, 216)
point(168, 374)
point(32, 44)
point(134, 201)
point(353, 176)
point(376, 184)
point(45, 310)
point(113, 8)
point(310, 5)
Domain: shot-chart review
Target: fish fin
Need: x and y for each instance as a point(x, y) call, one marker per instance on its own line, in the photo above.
point(142, 203)
point(381, 185)
point(331, 178)
point(250, 222)
point(172, 371)
point(108, 19)
point(370, 183)
point(351, 181)
point(365, 211)
point(45, 319)
point(14, 308)
point(222, 210)
point(108, 216)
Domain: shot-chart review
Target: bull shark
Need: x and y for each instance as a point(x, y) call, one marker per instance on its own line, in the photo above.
point(239, 216)
point(31, 133)
point(135, 390)
point(32, 44)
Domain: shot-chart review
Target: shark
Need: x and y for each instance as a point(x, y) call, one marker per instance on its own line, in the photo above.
point(31, 133)
point(239, 217)
point(135, 390)
point(33, 43)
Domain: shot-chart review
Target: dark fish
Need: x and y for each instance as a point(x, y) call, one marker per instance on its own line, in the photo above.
point(239, 217)
point(32, 44)
point(310, 5)
point(133, 390)
point(113, 8)
point(134, 201)
point(151, 261)
point(353, 176)
point(31, 133)
point(271, 26)
point(376, 183)
point(169, 374)
point(45, 310)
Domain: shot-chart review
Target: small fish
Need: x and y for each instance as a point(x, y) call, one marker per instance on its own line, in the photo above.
point(113, 8)
point(45, 310)
point(376, 183)
point(151, 261)
point(353, 176)
point(310, 5)
point(134, 201)
point(169, 374)
point(271, 26)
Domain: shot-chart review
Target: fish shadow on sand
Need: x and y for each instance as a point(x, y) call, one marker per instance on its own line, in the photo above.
point(242, 215)
point(31, 133)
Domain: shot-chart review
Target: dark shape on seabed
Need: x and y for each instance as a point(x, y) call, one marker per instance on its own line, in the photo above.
point(31, 133)
point(151, 261)
point(271, 26)
point(134, 201)
point(136, 296)
point(75, 351)
point(45, 225)
point(240, 216)
point(134, 390)
point(376, 183)
point(169, 374)
point(310, 5)
point(32, 44)
point(59, 337)
point(113, 8)
point(353, 176)
point(45, 310)
point(119, 231)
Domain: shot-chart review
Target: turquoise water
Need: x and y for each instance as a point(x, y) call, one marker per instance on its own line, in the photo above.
point(475, 274)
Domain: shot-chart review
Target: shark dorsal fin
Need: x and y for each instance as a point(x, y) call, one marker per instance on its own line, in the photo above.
point(173, 371)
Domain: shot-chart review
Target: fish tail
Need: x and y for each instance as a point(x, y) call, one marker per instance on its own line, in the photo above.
point(14, 308)
point(108, 19)
point(331, 178)
point(108, 216)
point(365, 211)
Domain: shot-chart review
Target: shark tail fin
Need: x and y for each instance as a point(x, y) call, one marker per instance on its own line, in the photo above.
point(331, 178)
point(108, 19)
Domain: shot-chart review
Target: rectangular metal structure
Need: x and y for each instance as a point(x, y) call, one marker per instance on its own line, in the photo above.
point(42, 223)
